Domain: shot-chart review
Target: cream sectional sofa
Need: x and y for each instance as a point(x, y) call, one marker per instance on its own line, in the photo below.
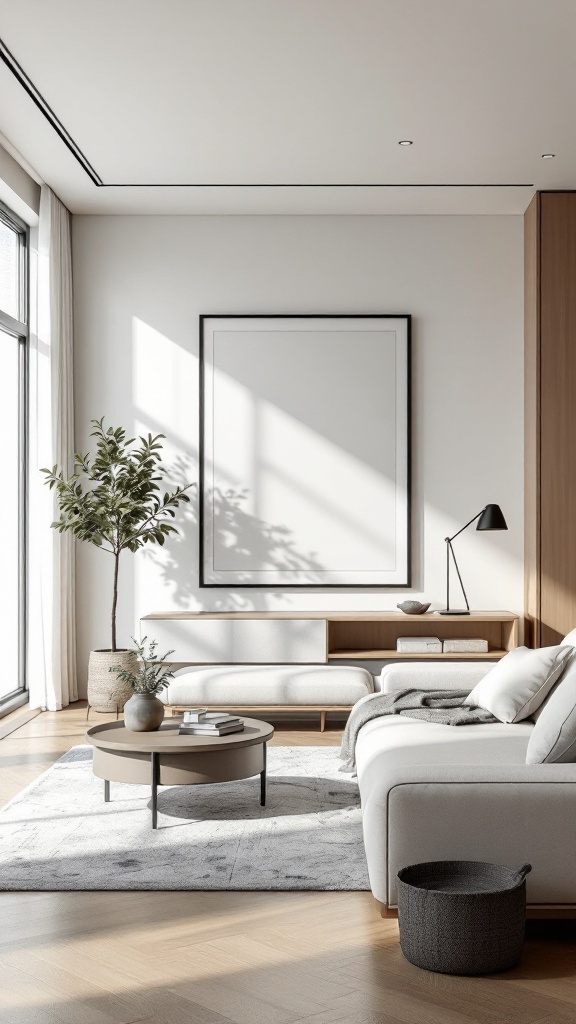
point(434, 792)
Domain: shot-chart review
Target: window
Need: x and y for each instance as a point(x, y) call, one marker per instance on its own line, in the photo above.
point(13, 390)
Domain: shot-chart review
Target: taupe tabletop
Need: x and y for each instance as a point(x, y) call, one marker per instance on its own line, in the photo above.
point(115, 736)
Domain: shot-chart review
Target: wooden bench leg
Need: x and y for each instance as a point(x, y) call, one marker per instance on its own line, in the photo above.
point(322, 721)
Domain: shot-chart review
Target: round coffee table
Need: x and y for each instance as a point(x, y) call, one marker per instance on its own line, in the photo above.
point(165, 758)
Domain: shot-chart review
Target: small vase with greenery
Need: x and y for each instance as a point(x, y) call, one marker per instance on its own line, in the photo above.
point(143, 712)
point(113, 500)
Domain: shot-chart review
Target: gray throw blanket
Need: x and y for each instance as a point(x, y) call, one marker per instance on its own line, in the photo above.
point(443, 706)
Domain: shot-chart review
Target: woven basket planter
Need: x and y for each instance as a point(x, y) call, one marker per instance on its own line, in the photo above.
point(106, 692)
point(462, 917)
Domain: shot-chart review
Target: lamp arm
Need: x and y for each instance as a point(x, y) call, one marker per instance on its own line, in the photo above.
point(450, 548)
point(473, 520)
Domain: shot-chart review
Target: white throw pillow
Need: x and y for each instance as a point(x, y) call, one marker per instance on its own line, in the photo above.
point(553, 738)
point(518, 684)
point(570, 638)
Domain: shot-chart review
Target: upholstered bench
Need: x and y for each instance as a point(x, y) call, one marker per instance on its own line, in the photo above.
point(319, 688)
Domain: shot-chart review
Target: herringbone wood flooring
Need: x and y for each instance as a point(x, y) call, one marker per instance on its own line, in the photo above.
point(249, 958)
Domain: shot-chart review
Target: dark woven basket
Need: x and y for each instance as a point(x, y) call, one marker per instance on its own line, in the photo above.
point(462, 916)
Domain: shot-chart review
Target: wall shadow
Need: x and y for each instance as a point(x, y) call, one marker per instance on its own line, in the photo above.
point(255, 541)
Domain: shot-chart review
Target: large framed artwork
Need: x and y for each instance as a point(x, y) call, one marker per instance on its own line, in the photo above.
point(305, 451)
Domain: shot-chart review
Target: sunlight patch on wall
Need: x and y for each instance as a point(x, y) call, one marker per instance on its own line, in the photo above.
point(164, 388)
point(165, 401)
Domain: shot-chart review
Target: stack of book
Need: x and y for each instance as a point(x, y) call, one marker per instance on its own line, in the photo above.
point(419, 644)
point(200, 722)
point(466, 646)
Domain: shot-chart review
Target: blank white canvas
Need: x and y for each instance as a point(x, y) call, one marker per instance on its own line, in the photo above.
point(305, 451)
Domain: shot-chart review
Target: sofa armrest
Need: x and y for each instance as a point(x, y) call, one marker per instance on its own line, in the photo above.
point(506, 814)
point(454, 675)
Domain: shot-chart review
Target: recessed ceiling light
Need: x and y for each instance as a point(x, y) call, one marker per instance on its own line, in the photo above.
point(405, 142)
point(548, 156)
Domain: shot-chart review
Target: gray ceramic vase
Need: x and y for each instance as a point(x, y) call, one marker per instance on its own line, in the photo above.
point(143, 712)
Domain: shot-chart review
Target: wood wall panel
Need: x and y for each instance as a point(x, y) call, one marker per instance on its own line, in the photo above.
point(532, 421)
point(550, 254)
point(558, 415)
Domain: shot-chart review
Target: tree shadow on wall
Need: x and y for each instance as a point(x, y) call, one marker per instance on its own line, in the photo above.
point(255, 543)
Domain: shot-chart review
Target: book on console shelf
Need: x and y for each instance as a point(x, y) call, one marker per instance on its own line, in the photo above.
point(466, 646)
point(419, 644)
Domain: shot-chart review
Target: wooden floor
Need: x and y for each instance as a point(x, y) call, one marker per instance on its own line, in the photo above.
point(250, 958)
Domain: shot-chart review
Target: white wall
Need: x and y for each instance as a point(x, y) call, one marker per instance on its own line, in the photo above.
point(17, 189)
point(140, 283)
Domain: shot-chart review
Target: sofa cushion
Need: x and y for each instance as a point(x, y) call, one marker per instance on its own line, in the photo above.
point(453, 675)
point(569, 666)
point(432, 792)
point(518, 684)
point(570, 638)
point(395, 742)
point(393, 753)
point(553, 738)
point(269, 685)
point(568, 641)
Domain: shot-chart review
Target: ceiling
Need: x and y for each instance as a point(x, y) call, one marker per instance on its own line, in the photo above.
point(292, 106)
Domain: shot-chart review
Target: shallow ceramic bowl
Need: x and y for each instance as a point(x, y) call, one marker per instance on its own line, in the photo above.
point(413, 607)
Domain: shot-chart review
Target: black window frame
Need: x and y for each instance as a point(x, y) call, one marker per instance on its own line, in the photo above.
point(20, 330)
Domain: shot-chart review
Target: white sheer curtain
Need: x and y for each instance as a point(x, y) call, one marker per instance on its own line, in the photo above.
point(51, 605)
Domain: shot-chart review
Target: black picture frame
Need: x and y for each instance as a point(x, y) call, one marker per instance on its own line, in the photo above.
point(203, 582)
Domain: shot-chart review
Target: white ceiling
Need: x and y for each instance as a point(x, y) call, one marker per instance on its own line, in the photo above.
point(295, 106)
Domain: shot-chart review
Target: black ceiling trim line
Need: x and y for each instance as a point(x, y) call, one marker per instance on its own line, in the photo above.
point(36, 96)
point(313, 184)
point(44, 107)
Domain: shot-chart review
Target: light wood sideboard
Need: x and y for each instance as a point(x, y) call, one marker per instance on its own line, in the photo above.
point(211, 638)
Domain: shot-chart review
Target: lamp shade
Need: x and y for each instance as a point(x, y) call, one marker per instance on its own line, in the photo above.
point(492, 518)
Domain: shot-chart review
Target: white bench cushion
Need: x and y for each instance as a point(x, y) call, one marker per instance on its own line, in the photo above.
point(269, 685)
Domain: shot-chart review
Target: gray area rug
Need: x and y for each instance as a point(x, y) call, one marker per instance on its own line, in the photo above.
point(59, 834)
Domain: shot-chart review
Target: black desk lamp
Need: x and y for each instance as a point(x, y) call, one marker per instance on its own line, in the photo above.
point(490, 518)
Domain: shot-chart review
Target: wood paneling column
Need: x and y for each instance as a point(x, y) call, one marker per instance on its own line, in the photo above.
point(532, 422)
point(550, 415)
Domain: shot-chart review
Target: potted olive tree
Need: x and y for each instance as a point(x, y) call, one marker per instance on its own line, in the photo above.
point(113, 500)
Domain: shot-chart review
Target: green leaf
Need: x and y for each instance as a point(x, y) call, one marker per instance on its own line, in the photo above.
point(113, 498)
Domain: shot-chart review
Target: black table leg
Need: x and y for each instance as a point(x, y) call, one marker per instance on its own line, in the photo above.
point(263, 780)
point(106, 791)
point(155, 775)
